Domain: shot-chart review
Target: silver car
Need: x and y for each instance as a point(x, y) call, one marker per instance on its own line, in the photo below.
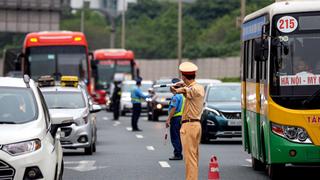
point(75, 102)
point(125, 101)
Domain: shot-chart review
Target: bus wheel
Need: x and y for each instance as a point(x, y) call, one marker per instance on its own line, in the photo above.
point(274, 170)
point(257, 165)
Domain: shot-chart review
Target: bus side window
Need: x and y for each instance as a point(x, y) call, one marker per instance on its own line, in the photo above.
point(244, 61)
point(249, 59)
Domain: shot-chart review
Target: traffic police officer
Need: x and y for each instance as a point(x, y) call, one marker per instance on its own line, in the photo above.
point(116, 96)
point(174, 121)
point(190, 131)
point(136, 98)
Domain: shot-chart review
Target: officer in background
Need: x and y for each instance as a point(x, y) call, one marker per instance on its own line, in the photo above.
point(136, 98)
point(174, 121)
point(190, 131)
point(116, 96)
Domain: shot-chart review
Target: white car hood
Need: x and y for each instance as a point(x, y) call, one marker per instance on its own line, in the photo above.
point(75, 113)
point(13, 133)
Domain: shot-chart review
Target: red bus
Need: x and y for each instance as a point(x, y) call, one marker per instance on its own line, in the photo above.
point(57, 53)
point(107, 63)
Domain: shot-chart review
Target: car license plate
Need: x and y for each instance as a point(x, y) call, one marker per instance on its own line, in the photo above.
point(234, 122)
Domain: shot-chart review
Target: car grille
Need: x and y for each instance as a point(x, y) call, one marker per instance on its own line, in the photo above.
point(6, 171)
point(233, 115)
point(67, 131)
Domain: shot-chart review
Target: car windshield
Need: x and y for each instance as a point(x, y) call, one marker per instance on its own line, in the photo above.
point(164, 89)
point(224, 93)
point(64, 100)
point(128, 87)
point(53, 60)
point(17, 105)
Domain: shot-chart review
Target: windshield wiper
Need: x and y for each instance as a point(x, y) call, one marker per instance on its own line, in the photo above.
point(311, 98)
point(7, 122)
point(58, 107)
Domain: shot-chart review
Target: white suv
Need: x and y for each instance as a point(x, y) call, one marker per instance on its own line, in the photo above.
point(29, 143)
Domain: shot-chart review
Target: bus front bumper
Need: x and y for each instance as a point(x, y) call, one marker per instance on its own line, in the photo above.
point(280, 149)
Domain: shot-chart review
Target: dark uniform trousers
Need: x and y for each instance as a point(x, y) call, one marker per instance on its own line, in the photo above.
point(175, 126)
point(135, 115)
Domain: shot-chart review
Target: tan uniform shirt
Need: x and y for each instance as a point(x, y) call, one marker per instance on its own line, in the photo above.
point(194, 94)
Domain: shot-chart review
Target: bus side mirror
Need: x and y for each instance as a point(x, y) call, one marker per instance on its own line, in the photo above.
point(260, 49)
point(90, 56)
point(18, 61)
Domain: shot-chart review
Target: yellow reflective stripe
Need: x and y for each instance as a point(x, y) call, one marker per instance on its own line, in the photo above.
point(136, 99)
point(181, 110)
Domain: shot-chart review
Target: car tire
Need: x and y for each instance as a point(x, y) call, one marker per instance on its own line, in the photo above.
point(123, 113)
point(155, 116)
point(257, 165)
point(149, 117)
point(88, 150)
point(94, 147)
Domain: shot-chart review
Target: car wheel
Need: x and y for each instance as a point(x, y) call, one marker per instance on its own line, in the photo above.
point(257, 165)
point(274, 170)
point(149, 117)
point(94, 147)
point(123, 113)
point(89, 150)
point(155, 116)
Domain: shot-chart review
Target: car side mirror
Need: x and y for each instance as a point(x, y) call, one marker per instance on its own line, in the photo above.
point(95, 108)
point(59, 120)
point(18, 61)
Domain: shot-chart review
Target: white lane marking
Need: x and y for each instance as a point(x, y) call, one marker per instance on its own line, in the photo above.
point(139, 136)
point(164, 164)
point(150, 148)
point(83, 166)
point(129, 128)
point(105, 118)
point(71, 162)
point(145, 118)
point(116, 123)
point(249, 161)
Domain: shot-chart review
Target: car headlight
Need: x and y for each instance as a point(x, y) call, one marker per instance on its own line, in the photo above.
point(291, 133)
point(210, 123)
point(159, 106)
point(20, 148)
point(82, 121)
point(212, 111)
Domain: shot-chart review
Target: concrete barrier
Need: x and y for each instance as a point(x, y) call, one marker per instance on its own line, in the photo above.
point(216, 68)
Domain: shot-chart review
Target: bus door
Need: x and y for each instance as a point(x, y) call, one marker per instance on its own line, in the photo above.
point(262, 63)
point(255, 84)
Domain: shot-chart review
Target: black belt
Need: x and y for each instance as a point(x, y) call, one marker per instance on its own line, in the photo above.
point(190, 120)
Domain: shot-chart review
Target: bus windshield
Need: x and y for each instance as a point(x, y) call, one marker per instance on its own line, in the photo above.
point(57, 60)
point(107, 68)
point(295, 66)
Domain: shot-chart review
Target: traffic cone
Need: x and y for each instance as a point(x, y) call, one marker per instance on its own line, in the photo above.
point(213, 173)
